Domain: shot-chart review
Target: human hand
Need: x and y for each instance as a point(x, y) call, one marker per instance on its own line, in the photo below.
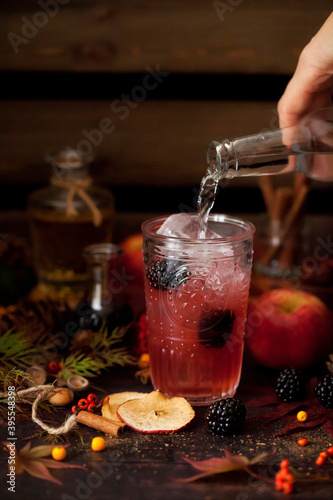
point(310, 88)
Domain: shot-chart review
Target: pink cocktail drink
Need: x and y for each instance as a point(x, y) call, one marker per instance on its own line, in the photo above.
point(196, 299)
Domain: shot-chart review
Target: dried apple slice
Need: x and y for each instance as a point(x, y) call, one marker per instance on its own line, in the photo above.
point(156, 414)
point(110, 403)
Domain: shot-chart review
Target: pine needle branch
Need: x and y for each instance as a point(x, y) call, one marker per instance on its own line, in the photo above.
point(16, 349)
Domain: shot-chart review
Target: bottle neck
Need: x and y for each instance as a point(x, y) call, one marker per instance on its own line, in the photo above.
point(306, 148)
point(254, 155)
point(69, 165)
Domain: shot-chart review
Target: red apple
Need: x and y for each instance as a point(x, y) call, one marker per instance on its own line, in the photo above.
point(132, 257)
point(287, 327)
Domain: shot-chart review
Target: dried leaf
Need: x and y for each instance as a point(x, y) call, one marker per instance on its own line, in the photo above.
point(268, 399)
point(38, 469)
point(32, 461)
point(282, 410)
point(317, 414)
point(215, 465)
point(295, 425)
point(37, 451)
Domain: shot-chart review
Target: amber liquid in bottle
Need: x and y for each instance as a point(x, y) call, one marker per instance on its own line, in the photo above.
point(59, 242)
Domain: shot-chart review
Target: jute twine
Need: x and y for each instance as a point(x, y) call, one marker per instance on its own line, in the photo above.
point(79, 187)
point(44, 390)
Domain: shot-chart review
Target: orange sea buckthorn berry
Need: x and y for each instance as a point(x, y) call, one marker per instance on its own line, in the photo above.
point(302, 416)
point(302, 441)
point(330, 451)
point(98, 443)
point(323, 454)
point(59, 453)
point(144, 360)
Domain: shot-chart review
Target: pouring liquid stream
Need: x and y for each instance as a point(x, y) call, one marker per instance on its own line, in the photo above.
point(206, 199)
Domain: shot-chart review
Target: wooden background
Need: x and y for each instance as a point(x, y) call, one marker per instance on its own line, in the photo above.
point(71, 67)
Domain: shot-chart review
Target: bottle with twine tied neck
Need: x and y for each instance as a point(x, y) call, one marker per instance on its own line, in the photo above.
point(65, 217)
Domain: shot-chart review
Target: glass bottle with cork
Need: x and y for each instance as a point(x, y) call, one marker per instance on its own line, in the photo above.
point(65, 217)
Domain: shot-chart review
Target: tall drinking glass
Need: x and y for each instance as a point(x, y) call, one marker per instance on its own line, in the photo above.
point(196, 294)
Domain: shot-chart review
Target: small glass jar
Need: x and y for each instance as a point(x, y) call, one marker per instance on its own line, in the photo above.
point(65, 217)
point(278, 254)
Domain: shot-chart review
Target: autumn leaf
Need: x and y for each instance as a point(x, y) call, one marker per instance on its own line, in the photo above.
point(33, 461)
point(318, 416)
point(229, 463)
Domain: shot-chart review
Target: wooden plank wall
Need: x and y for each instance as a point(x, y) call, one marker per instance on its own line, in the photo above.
point(146, 86)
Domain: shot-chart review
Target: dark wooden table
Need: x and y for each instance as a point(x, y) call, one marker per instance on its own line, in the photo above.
point(142, 466)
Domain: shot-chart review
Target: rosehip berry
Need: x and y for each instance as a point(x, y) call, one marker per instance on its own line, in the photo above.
point(320, 460)
point(284, 464)
point(289, 478)
point(91, 407)
point(302, 441)
point(82, 404)
point(53, 367)
point(287, 488)
point(92, 398)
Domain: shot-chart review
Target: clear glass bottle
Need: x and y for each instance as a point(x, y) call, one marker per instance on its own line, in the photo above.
point(102, 259)
point(104, 304)
point(306, 148)
point(65, 217)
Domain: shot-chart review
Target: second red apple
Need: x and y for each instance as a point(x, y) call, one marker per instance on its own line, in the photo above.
point(287, 327)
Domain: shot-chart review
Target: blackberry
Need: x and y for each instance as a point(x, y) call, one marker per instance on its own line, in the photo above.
point(218, 335)
point(323, 391)
point(226, 416)
point(167, 274)
point(290, 385)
